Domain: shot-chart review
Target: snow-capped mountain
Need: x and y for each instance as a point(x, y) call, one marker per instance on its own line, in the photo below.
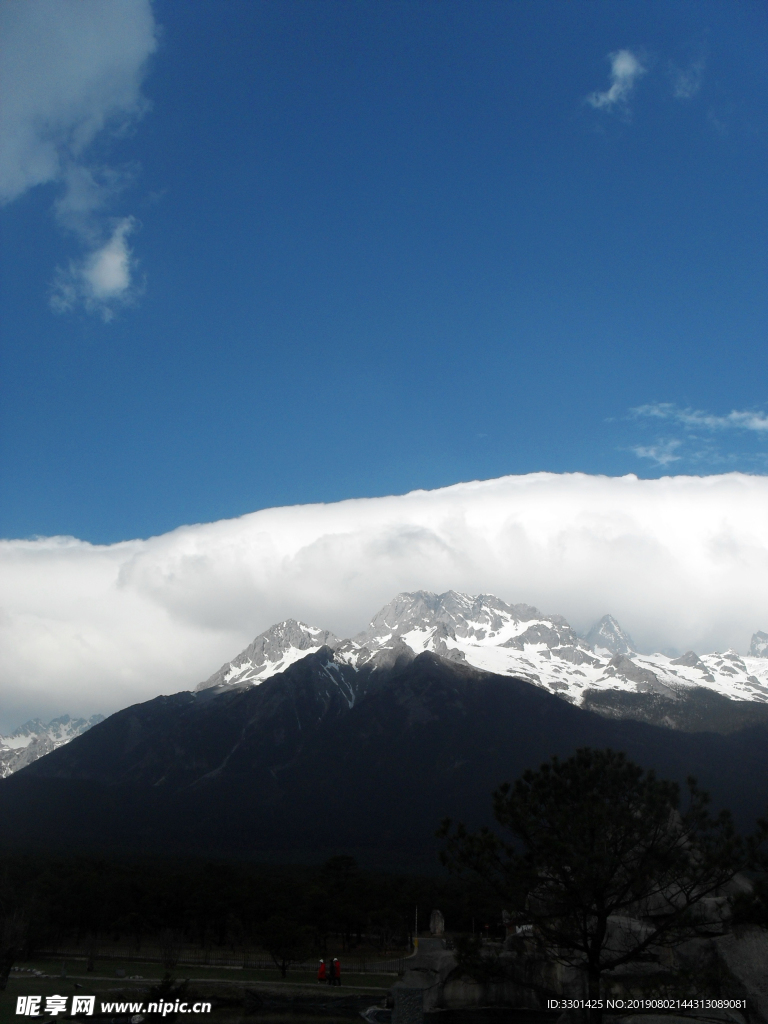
point(514, 640)
point(327, 755)
point(482, 632)
point(308, 743)
point(759, 646)
point(608, 638)
point(34, 739)
point(271, 652)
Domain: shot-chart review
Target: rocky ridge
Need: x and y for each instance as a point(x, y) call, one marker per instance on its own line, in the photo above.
point(34, 739)
point(601, 671)
point(513, 640)
point(759, 646)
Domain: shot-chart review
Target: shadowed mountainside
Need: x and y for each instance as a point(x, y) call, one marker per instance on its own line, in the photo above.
point(319, 760)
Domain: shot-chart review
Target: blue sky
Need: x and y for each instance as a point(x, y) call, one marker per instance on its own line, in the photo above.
point(287, 252)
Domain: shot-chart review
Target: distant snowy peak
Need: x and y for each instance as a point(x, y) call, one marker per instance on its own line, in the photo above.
point(59, 730)
point(608, 638)
point(33, 739)
point(480, 621)
point(271, 652)
point(759, 646)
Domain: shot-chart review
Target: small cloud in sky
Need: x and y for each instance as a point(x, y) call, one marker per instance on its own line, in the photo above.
point(704, 439)
point(686, 82)
point(100, 281)
point(735, 420)
point(663, 453)
point(626, 68)
point(69, 72)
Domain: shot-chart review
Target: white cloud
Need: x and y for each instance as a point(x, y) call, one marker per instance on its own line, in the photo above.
point(69, 70)
point(695, 418)
point(663, 453)
point(680, 561)
point(102, 279)
point(87, 192)
point(107, 271)
point(626, 68)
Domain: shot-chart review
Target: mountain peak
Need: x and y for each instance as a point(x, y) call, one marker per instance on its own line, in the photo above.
point(34, 738)
point(462, 614)
point(507, 639)
point(608, 638)
point(271, 652)
point(759, 646)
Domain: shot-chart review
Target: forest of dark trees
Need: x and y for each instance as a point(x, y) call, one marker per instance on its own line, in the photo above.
point(225, 904)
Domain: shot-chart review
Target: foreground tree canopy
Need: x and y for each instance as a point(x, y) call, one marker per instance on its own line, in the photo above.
point(602, 859)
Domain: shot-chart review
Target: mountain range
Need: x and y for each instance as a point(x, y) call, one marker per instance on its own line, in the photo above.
point(306, 745)
point(34, 739)
point(602, 670)
point(516, 640)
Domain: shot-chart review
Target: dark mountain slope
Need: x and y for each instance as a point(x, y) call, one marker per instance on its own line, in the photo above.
point(322, 759)
point(694, 709)
point(176, 741)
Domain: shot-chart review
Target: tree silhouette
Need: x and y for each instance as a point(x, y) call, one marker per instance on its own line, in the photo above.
point(602, 861)
point(171, 944)
point(286, 942)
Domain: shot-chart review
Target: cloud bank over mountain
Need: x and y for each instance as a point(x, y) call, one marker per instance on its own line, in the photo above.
point(680, 562)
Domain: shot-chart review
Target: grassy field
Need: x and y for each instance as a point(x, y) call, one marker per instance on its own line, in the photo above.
point(225, 987)
point(138, 971)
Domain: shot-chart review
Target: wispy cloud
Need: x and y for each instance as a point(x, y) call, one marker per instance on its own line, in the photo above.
point(663, 453)
point(626, 68)
point(101, 280)
point(686, 82)
point(88, 192)
point(69, 72)
point(699, 439)
point(735, 420)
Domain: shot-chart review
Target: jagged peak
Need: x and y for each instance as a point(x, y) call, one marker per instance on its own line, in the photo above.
point(690, 659)
point(486, 632)
point(459, 611)
point(270, 652)
point(608, 636)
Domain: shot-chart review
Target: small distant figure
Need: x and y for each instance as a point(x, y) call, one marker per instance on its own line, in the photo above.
point(322, 974)
point(335, 971)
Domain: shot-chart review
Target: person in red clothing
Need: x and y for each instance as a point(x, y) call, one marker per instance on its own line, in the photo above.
point(335, 971)
point(321, 972)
